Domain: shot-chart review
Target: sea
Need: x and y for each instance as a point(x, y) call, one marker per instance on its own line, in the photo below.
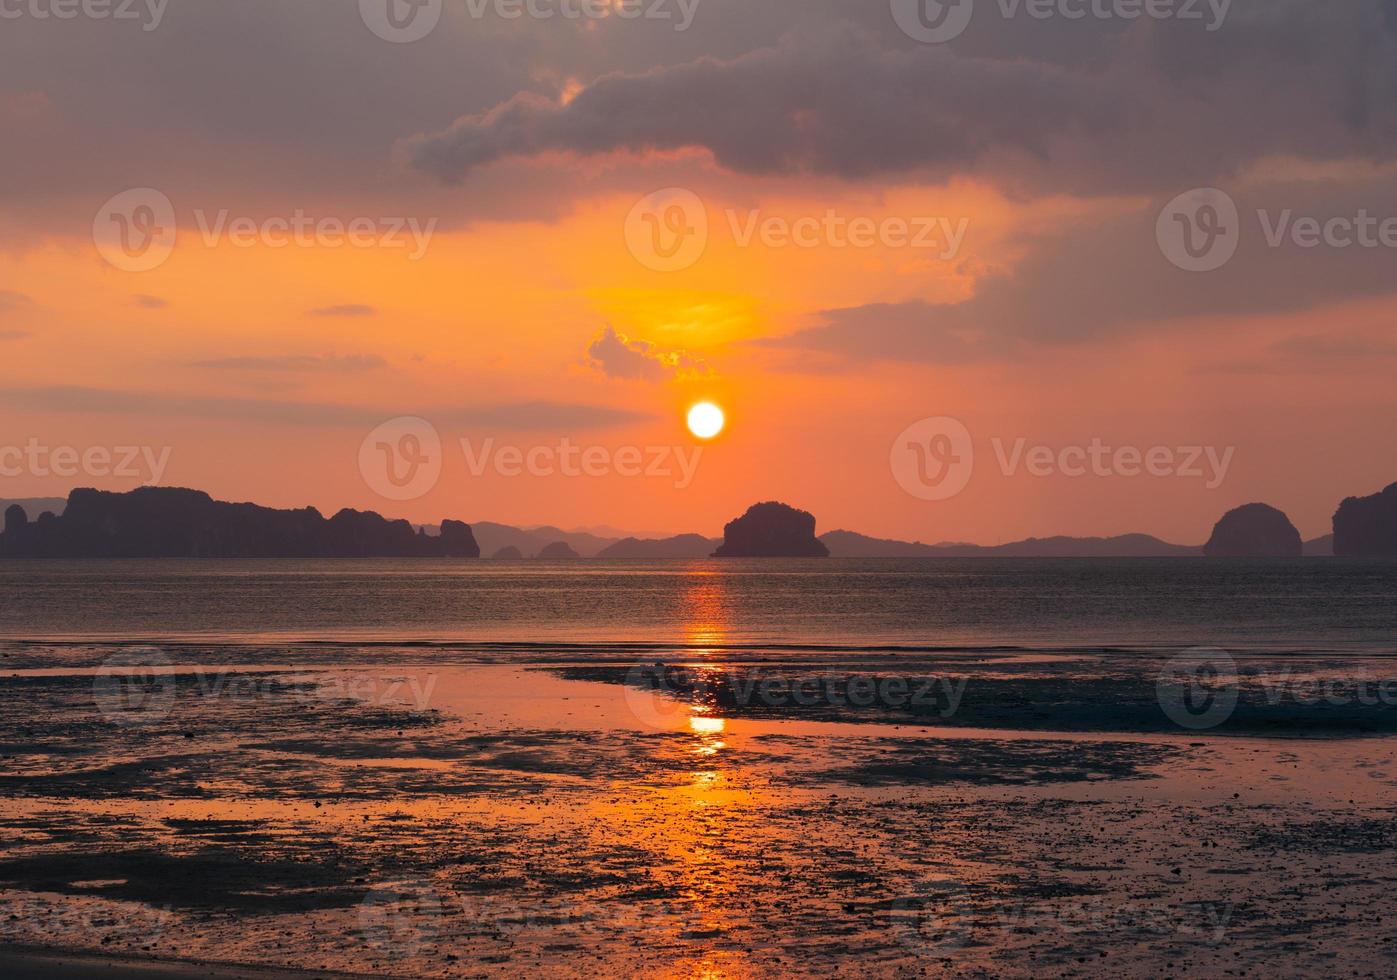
point(716, 768)
point(918, 604)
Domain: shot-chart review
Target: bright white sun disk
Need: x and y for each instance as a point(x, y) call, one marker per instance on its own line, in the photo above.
point(706, 420)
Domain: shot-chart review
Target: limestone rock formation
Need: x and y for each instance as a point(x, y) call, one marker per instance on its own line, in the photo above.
point(1366, 527)
point(1254, 531)
point(166, 522)
point(772, 530)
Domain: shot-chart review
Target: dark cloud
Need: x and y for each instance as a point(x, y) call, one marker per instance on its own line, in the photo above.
point(1092, 279)
point(509, 416)
point(151, 302)
point(346, 310)
point(1167, 102)
point(618, 356)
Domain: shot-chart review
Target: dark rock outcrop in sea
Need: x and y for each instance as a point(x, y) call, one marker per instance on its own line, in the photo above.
point(166, 522)
point(557, 551)
point(1254, 531)
point(772, 530)
point(507, 553)
point(1366, 527)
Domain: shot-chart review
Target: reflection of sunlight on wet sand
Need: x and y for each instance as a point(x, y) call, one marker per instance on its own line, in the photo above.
point(701, 725)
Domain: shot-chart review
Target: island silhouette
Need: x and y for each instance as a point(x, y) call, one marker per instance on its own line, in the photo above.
point(169, 522)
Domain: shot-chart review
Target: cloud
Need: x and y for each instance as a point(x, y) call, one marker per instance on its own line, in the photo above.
point(1094, 279)
point(10, 300)
point(1156, 103)
point(347, 309)
point(151, 302)
point(915, 331)
point(497, 417)
point(617, 356)
point(330, 363)
point(1323, 346)
point(14, 334)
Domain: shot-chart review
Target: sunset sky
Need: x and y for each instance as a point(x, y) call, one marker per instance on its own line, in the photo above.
point(526, 146)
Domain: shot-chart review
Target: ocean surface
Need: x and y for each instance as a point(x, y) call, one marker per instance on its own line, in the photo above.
point(923, 605)
point(677, 769)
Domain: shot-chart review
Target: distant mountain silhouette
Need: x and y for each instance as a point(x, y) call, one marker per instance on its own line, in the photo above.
point(557, 550)
point(1254, 531)
point(772, 530)
point(165, 522)
point(1366, 527)
point(507, 553)
point(849, 544)
point(530, 541)
point(679, 546)
point(33, 507)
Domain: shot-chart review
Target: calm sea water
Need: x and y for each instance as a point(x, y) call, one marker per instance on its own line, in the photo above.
point(1052, 604)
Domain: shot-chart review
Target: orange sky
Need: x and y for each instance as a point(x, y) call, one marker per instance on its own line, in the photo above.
point(1057, 320)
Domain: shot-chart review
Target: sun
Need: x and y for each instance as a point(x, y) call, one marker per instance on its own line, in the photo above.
point(706, 420)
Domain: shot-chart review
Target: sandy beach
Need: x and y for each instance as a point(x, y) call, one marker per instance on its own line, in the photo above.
point(381, 812)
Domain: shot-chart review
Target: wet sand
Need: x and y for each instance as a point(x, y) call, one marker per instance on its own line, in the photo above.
point(49, 964)
point(419, 813)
